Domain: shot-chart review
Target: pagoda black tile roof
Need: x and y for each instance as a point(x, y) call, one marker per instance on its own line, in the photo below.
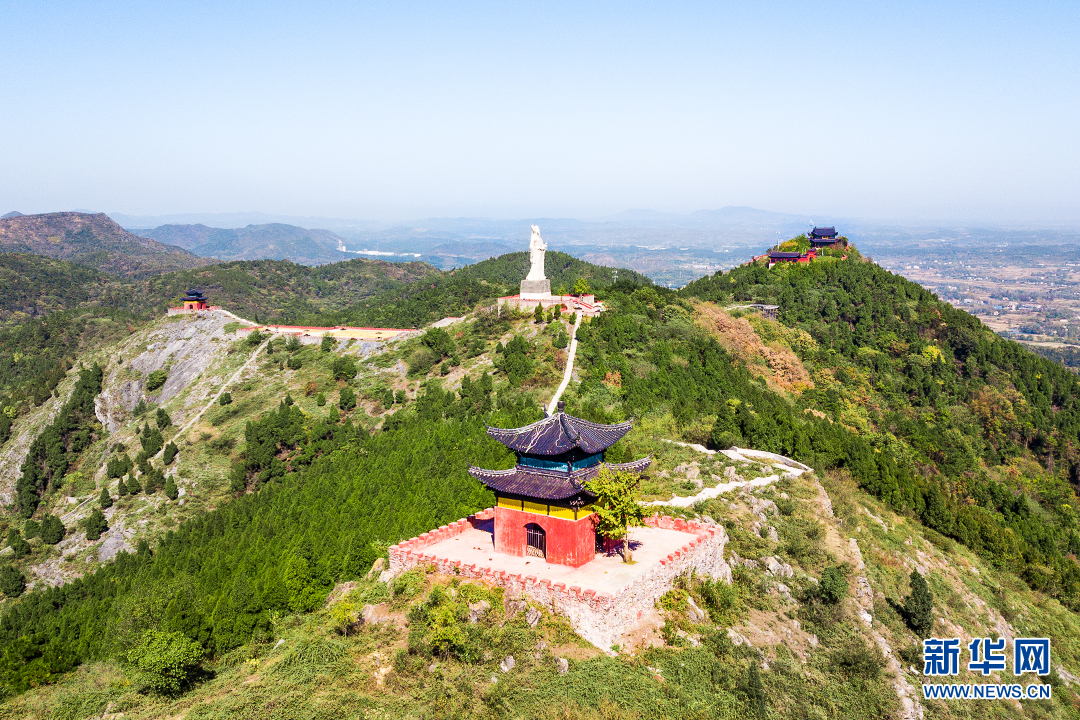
point(785, 255)
point(560, 433)
point(547, 484)
point(824, 232)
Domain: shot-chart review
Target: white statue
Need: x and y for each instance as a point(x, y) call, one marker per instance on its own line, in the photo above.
point(537, 247)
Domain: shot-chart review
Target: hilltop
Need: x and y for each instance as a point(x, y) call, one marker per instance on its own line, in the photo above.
point(274, 241)
point(93, 240)
point(936, 447)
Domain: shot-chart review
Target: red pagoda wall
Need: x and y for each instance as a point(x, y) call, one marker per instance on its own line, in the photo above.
point(569, 542)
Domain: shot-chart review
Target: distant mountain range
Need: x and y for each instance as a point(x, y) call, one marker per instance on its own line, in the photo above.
point(273, 241)
point(94, 240)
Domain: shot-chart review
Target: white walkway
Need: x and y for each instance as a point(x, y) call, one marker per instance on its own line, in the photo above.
point(569, 367)
point(787, 467)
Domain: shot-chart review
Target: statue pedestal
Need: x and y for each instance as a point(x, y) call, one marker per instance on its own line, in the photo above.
point(536, 289)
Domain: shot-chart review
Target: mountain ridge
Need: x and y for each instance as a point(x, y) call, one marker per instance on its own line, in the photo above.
point(94, 240)
point(270, 241)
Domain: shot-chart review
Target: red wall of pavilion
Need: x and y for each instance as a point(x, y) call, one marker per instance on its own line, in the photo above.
point(569, 542)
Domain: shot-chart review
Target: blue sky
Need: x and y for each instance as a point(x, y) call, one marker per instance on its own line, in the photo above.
point(942, 110)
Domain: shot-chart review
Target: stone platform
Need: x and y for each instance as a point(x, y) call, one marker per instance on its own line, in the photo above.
point(581, 304)
point(603, 598)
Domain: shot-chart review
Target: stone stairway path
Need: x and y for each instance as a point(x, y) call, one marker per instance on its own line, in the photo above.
point(569, 368)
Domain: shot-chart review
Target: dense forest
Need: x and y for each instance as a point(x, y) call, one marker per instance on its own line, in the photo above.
point(220, 578)
point(949, 412)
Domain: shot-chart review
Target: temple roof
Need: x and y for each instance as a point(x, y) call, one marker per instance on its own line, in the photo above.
point(823, 232)
point(560, 433)
point(546, 484)
point(194, 294)
point(785, 255)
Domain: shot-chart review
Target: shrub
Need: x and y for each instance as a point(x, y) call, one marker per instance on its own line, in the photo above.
point(833, 586)
point(52, 530)
point(154, 381)
point(164, 662)
point(858, 660)
point(20, 547)
point(720, 599)
point(295, 363)
point(422, 362)
point(346, 399)
point(31, 529)
point(400, 397)
point(438, 341)
point(225, 399)
point(320, 400)
point(254, 338)
point(292, 344)
point(162, 418)
point(344, 368)
point(12, 582)
point(327, 343)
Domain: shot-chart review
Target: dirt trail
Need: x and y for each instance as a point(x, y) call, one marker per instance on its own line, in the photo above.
point(213, 400)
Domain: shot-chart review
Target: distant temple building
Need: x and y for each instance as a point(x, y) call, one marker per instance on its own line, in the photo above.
point(776, 257)
point(542, 506)
point(195, 300)
point(824, 237)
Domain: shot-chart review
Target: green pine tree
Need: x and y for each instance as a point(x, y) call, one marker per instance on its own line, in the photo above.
point(121, 487)
point(170, 453)
point(52, 530)
point(96, 524)
point(327, 343)
point(171, 491)
point(133, 486)
point(538, 314)
point(919, 606)
point(105, 499)
point(755, 691)
point(12, 582)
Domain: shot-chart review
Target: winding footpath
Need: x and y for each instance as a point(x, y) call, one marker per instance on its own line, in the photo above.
point(569, 368)
point(787, 467)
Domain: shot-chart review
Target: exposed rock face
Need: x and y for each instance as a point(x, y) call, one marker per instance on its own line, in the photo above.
point(478, 610)
point(186, 347)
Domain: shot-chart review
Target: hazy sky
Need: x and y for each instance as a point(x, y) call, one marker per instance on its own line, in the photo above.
point(389, 110)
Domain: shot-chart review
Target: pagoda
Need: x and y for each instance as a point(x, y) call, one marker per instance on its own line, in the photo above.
point(824, 237)
point(543, 508)
point(195, 300)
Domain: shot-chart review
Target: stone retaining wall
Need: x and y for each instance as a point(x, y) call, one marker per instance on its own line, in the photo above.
point(599, 617)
